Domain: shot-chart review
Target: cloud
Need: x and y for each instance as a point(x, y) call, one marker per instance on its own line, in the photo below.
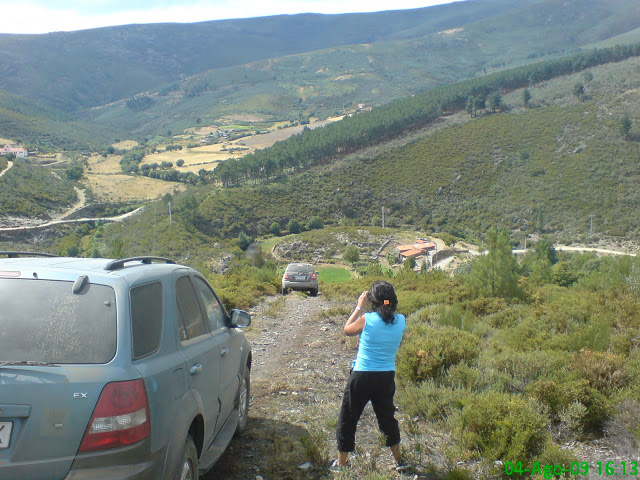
point(42, 16)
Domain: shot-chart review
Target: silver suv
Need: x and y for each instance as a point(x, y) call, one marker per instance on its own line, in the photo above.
point(116, 369)
point(300, 276)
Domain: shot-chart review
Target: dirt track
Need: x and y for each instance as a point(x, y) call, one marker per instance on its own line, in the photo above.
point(300, 364)
point(10, 164)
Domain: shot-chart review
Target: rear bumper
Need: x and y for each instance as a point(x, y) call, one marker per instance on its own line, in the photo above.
point(139, 471)
point(134, 462)
point(299, 285)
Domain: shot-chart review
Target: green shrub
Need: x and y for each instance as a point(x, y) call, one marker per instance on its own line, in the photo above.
point(458, 474)
point(315, 223)
point(275, 228)
point(243, 286)
point(486, 306)
point(463, 376)
point(455, 316)
point(558, 396)
point(428, 401)
point(627, 417)
point(502, 427)
point(293, 226)
point(507, 317)
point(411, 302)
point(594, 335)
point(554, 455)
point(572, 418)
point(351, 254)
point(604, 371)
point(447, 238)
point(523, 367)
point(428, 352)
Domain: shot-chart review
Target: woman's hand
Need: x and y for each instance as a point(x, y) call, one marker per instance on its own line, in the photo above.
point(355, 322)
point(362, 299)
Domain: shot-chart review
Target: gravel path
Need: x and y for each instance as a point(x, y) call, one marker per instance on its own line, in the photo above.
point(301, 361)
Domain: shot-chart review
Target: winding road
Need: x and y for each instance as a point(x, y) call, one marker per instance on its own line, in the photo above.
point(6, 169)
point(59, 219)
point(51, 223)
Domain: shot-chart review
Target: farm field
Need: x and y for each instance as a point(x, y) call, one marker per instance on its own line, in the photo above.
point(123, 188)
point(267, 139)
point(108, 183)
point(207, 157)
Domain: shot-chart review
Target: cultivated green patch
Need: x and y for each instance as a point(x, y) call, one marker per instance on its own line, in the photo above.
point(328, 275)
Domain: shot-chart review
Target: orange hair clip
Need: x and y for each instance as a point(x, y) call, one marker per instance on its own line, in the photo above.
point(386, 302)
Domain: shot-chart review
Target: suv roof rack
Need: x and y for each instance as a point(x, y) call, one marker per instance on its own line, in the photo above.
point(10, 254)
point(145, 260)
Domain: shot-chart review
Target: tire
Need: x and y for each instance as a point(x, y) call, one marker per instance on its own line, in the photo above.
point(188, 467)
point(243, 401)
point(285, 291)
point(313, 292)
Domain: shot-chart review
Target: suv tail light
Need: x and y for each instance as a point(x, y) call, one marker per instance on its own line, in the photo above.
point(121, 417)
point(286, 276)
point(314, 276)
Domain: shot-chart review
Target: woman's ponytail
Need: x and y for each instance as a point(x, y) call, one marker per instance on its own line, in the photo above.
point(383, 299)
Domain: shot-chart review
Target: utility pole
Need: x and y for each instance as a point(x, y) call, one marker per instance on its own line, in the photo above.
point(590, 228)
point(382, 217)
point(170, 217)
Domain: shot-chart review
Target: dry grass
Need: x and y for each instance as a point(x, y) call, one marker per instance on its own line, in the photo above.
point(268, 139)
point(101, 165)
point(108, 183)
point(125, 145)
point(207, 157)
point(120, 187)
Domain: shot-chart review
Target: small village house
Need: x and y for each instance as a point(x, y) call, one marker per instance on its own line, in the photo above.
point(19, 152)
point(421, 249)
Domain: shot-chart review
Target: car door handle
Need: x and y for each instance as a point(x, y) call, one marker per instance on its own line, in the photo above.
point(223, 352)
point(197, 368)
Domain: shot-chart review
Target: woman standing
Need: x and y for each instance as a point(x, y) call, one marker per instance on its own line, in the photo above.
point(372, 376)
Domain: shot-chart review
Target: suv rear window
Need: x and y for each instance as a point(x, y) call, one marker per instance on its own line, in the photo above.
point(300, 269)
point(43, 321)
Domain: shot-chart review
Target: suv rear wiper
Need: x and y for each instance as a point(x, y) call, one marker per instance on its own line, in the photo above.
point(26, 363)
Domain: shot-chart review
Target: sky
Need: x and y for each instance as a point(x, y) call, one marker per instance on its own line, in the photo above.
point(43, 16)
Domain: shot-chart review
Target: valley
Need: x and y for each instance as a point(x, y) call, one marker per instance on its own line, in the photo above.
point(506, 133)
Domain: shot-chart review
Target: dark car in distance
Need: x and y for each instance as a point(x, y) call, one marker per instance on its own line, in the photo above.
point(300, 276)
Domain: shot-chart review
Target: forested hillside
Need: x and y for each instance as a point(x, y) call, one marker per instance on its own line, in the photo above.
point(33, 192)
point(140, 81)
point(87, 65)
point(333, 81)
point(48, 129)
point(540, 164)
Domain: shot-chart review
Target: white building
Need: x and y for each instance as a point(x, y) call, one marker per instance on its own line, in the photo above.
point(19, 152)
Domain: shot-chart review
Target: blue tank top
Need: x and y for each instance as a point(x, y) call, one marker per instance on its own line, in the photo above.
point(379, 343)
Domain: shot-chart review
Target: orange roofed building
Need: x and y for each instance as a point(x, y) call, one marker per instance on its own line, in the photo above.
point(421, 247)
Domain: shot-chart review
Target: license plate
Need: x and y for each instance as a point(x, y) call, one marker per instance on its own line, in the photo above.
point(5, 434)
point(300, 277)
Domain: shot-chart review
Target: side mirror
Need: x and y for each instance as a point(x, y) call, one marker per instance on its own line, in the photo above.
point(240, 318)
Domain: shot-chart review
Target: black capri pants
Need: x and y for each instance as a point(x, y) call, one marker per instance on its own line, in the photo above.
point(362, 387)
